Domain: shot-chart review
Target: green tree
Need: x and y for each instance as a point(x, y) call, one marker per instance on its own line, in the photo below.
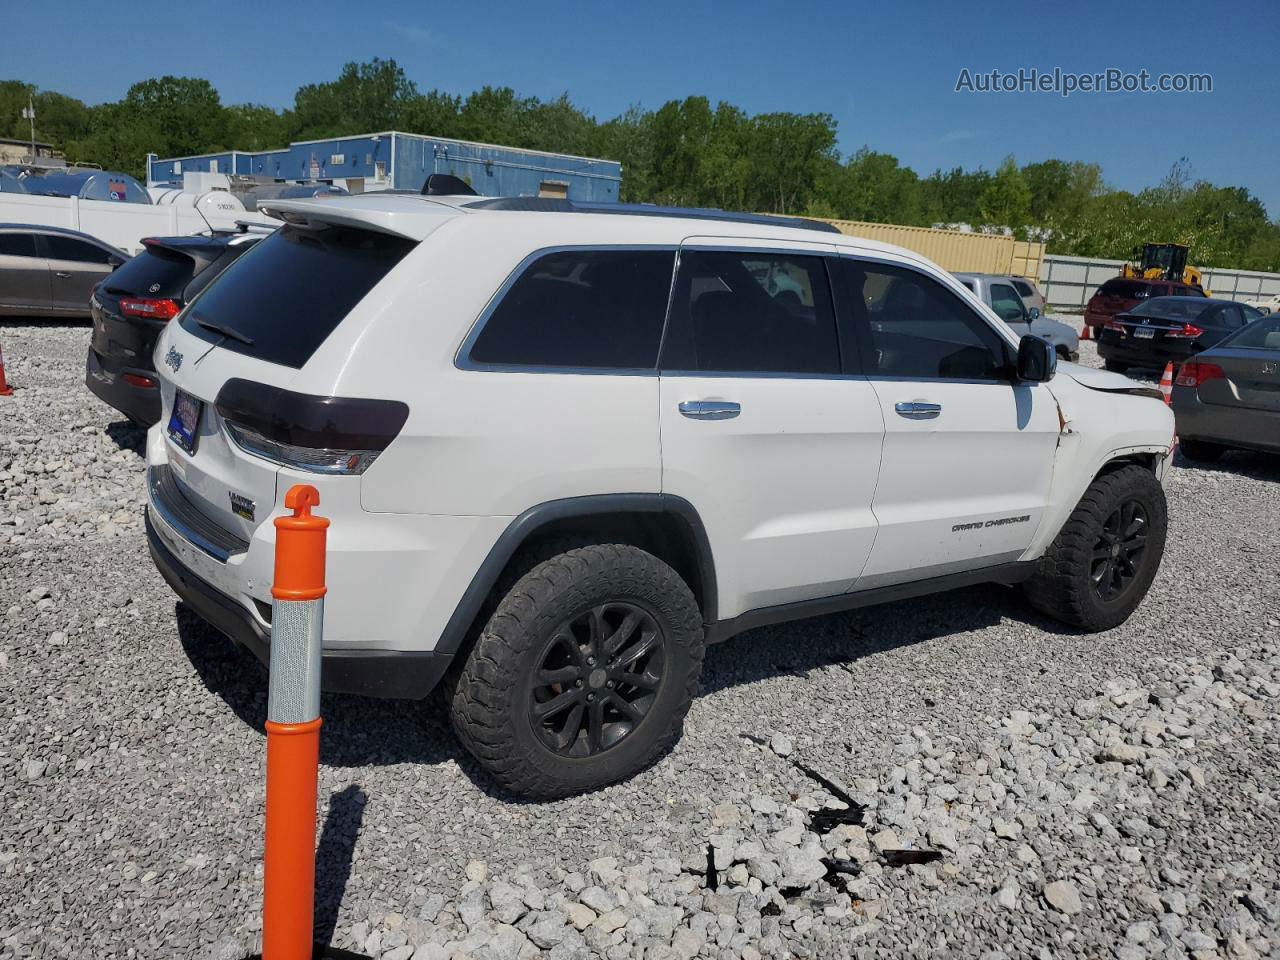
point(1006, 202)
point(366, 97)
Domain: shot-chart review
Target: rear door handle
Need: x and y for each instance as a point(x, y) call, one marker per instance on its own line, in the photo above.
point(710, 409)
point(63, 274)
point(918, 410)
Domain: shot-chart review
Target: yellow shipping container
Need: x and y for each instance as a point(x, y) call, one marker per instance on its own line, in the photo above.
point(954, 250)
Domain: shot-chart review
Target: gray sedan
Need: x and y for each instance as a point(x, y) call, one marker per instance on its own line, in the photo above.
point(51, 272)
point(1229, 396)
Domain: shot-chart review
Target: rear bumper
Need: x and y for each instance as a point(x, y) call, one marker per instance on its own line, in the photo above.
point(1152, 354)
point(140, 403)
point(1230, 426)
point(373, 673)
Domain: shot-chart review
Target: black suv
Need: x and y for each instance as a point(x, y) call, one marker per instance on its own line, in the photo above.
point(131, 307)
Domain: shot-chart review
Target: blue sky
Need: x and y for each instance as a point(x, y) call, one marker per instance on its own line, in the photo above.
point(886, 71)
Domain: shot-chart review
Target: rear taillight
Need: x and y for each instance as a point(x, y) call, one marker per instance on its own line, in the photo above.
point(1187, 330)
point(1114, 325)
point(148, 308)
point(1194, 372)
point(138, 380)
point(334, 435)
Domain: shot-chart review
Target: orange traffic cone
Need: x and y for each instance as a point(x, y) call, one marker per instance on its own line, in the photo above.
point(5, 389)
point(1085, 334)
point(1166, 383)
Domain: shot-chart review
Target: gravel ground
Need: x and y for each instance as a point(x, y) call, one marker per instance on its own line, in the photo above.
point(1109, 795)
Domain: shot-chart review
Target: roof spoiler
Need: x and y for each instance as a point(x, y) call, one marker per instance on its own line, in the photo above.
point(447, 185)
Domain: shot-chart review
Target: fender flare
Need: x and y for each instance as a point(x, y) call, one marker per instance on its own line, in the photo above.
point(528, 523)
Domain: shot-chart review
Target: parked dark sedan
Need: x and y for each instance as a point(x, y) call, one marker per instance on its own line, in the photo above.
point(1229, 396)
point(1169, 328)
point(131, 307)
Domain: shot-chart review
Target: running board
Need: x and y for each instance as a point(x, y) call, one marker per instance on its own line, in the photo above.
point(1007, 573)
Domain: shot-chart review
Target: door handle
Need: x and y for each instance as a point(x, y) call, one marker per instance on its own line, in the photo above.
point(918, 410)
point(63, 274)
point(710, 409)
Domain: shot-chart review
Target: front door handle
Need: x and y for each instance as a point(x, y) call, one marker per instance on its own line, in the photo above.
point(918, 410)
point(710, 409)
point(62, 274)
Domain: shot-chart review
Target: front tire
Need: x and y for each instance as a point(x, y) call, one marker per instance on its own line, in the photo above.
point(583, 674)
point(1099, 567)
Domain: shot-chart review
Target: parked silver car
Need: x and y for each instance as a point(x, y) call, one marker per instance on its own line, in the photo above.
point(51, 272)
point(999, 293)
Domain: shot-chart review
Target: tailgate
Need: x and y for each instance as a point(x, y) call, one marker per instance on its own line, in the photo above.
point(234, 490)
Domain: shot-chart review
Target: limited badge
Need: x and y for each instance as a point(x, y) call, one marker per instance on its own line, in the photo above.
point(241, 506)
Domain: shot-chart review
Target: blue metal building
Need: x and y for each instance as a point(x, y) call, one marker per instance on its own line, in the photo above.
point(403, 161)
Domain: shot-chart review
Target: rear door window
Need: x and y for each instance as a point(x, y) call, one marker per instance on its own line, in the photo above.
point(17, 245)
point(285, 296)
point(581, 309)
point(751, 312)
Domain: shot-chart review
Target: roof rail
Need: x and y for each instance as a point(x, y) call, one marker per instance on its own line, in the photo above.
point(560, 205)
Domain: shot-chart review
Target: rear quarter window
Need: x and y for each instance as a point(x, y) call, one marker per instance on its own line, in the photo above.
point(593, 309)
point(287, 294)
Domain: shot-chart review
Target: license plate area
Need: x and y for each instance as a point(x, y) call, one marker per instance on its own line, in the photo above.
point(1144, 333)
point(184, 421)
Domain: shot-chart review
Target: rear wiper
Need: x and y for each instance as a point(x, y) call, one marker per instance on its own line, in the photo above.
point(226, 331)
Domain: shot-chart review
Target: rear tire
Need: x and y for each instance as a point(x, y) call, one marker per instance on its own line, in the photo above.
point(1201, 451)
point(1115, 366)
point(553, 700)
point(1099, 567)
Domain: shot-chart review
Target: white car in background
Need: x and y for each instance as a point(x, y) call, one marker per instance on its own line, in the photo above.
point(563, 447)
point(1000, 293)
point(1266, 304)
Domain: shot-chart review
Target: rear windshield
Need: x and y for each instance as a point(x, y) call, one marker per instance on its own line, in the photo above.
point(1260, 335)
point(1125, 288)
point(1174, 308)
point(288, 293)
point(156, 272)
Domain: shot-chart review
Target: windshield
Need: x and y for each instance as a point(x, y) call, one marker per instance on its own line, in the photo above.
point(1172, 308)
point(286, 295)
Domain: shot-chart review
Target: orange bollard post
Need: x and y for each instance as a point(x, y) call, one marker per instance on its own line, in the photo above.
point(5, 389)
point(293, 729)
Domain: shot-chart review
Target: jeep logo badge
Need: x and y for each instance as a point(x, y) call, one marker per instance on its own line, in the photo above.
point(241, 506)
point(173, 358)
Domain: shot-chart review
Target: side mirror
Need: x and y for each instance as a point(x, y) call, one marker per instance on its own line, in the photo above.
point(1037, 360)
point(1034, 313)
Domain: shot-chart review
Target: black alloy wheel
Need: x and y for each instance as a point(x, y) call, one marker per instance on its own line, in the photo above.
point(1119, 550)
point(596, 679)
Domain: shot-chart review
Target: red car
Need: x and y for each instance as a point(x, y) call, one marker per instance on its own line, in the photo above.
point(1125, 293)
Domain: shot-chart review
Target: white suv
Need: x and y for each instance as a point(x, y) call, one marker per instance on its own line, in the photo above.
point(563, 447)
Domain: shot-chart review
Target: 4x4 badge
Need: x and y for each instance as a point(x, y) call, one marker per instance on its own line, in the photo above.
point(173, 358)
point(241, 506)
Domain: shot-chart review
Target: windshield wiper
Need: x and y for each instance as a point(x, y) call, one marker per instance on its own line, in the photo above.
point(226, 331)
